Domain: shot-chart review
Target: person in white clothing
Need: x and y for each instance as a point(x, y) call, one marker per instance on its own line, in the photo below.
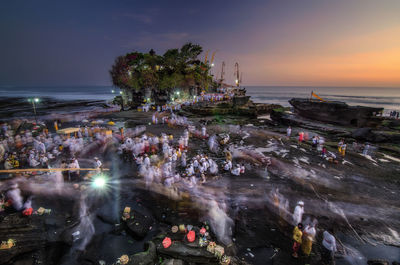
point(289, 131)
point(203, 131)
point(97, 164)
point(146, 160)
point(236, 170)
point(329, 248)
point(228, 165)
point(298, 213)
point(190, 170)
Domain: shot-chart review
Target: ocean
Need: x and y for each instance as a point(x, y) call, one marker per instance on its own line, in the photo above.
point(61, 92)
point(388, 98)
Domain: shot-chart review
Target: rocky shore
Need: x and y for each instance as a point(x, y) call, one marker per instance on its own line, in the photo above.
point(358, 195)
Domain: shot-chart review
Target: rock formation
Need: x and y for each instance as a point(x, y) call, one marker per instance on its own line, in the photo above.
point(336, 112)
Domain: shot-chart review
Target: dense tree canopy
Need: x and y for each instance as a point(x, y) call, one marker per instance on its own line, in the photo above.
point(177, 68)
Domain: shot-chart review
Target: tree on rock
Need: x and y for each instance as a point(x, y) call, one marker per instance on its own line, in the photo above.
point(150, 77)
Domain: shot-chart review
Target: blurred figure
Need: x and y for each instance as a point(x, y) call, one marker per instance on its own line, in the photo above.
point(297, 238)
point(289, 132)
point(301, 137)
point(309, 233)
point(366, 149)
point(329, 248)
point(298, 213)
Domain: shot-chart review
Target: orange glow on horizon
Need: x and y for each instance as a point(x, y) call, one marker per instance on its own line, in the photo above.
point(369, 59)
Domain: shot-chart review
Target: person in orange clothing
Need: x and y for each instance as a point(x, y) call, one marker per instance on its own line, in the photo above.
point(297, 237)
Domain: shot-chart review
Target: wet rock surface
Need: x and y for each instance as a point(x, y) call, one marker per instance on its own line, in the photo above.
point(356, 185)
point(188, 253)
point(138, 226)
point(237, 106)
point(29, 236)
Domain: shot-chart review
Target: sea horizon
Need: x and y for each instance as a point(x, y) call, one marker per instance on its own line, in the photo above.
point(386, 97)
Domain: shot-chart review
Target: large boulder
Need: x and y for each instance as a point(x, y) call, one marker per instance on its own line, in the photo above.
point(189, 253)
point(336, 112)
point(147, 257)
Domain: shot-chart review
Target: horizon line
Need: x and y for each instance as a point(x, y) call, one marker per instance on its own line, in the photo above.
point(110, 85)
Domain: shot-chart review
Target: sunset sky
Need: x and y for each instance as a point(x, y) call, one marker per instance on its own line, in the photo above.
point(282, 42)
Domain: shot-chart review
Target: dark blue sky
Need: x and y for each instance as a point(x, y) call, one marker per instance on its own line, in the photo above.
point(75, 42)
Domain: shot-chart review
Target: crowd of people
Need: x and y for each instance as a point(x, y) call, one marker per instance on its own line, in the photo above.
point(159, 159)
point(318, 142)
point(37, 147)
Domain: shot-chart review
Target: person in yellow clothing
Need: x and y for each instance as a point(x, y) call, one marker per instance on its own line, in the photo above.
point(340, 146)
point(343, 149)
point(15, 163)
point(297, 237)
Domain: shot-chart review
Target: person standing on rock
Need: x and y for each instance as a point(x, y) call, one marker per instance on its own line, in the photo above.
point(297, 238)
point(343, 149)
point(298, 212)
point(204, 132)
point(340, 146)
point(329, 248)
point(366, 148)
point(301, 137)
point(309, 233)
point(323, 152)
point(97, 164)
point(289, 132)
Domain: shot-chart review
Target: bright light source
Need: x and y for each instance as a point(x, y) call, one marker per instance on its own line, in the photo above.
point(236, 81)
point(178, 93)
point(148, 99)
point(112, 91)
point(36, 100)
point(99, 182)
point(172, 98)
point(212, 65)
point(120, 92)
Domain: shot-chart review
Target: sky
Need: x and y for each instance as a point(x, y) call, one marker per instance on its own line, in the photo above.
point(275, 42)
